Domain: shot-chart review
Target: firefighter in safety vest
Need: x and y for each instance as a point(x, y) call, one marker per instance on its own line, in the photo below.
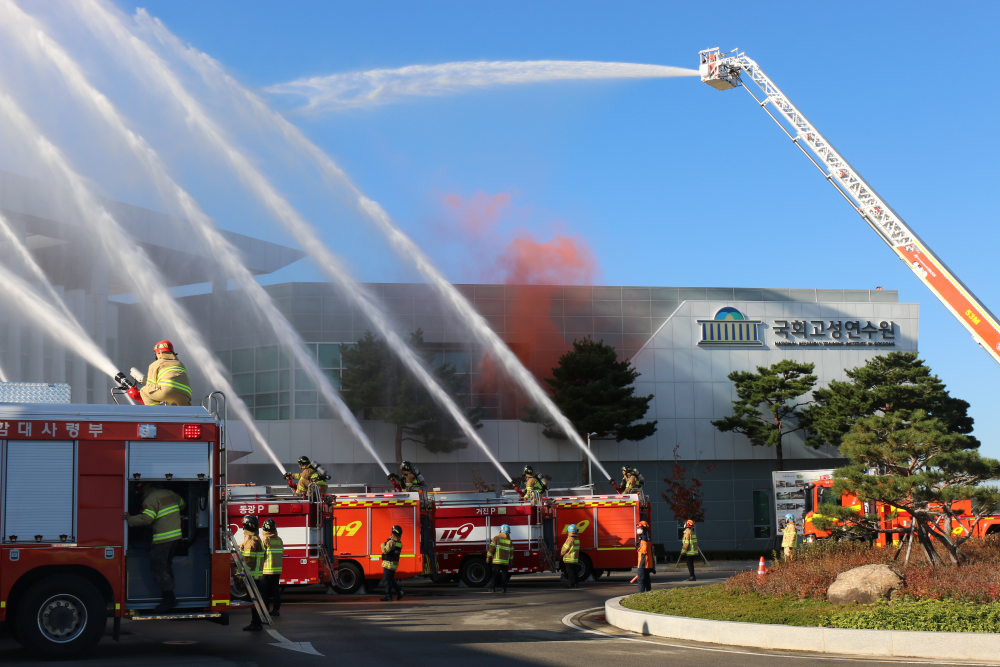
point(500, 553)
point(166, 380)
point(631, 482)
point(308, 477)
point(253, 555)
point(274, 551)
point(788, 536)
point(410, 477)
point(689, 547)
point(647, 561)
point(161, 508)
point(391, 549)
point(570, 553)
point(534, 487)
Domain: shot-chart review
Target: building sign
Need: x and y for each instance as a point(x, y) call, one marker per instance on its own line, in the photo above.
point(834, 333)
point(730, 328)
point(790, 494)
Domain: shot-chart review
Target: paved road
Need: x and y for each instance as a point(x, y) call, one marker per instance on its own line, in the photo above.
point(537, 623)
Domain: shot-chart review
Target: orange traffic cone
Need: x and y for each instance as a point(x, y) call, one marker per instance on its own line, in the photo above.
point(761, 569)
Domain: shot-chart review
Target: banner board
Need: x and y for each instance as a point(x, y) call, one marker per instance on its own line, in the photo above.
point(790, 493)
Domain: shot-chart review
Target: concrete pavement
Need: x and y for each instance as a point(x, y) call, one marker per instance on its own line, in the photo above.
point(538, 622)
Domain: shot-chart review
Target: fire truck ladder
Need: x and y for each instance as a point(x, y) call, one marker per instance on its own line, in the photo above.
point(724, 72)
point(242, 570)
point(543, 546)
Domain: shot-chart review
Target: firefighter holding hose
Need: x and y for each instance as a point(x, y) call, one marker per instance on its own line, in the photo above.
point(534, 486)
point(166, 381)
point(310, 474)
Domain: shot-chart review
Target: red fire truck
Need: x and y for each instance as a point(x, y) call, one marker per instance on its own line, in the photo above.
point(68, 561)
point(465, 522)
point(821, 493)
point(335, 539)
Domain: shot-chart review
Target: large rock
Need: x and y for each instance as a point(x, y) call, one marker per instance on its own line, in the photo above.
point(865, 585)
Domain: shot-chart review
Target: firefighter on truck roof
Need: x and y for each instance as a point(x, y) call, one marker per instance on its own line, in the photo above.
point(309, 476)
point(631, 480)
point(166, 380)
point(410, 477)
point(534, 486)
point(161, 508)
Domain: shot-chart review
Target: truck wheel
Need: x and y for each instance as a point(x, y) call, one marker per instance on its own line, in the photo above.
point(349, 578)
point(598, 573)
point(60, 616)
point(584, 568)
point(474, 572)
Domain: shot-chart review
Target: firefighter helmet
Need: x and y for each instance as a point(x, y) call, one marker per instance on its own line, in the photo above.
point(505, 529)
point(625, 470)
point(269, 525)
point(304, 461)
point(528, 470)
point(250, 522)
point(571, 528)
point(164, 346)
point(689, 523)
point(405, 466)
point(397, 530)
point(790, 517)
point(643, 524)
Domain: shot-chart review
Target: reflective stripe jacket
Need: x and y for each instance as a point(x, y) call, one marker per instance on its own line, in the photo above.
point(788, 538)
point(274, 551)
point(499, 552)
point(391, 549)
point(167, 382)
point(307, 477)
point(571, 549)
point(689, 545)
point(411, 482)
point(253, 553)
point(630, 483)
point(161, 508)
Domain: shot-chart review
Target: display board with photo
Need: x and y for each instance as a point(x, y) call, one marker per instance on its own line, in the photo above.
point(790, 493)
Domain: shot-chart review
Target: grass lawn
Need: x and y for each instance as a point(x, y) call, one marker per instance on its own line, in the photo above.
point(715, 603)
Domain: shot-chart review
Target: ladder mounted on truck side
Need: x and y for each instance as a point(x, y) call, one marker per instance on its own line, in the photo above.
point(724, 71)
point(243, 571)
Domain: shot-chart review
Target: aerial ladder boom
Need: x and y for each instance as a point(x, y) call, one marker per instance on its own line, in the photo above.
point(725, 71)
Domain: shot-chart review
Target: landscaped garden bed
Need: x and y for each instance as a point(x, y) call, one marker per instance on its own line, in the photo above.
point(950, 599)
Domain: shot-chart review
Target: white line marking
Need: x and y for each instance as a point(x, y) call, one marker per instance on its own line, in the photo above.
point(301, 647)
point(568, 622)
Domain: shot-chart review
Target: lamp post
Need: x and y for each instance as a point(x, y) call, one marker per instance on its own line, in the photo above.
point(590, 462)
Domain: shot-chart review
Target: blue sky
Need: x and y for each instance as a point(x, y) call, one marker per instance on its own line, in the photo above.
point(666, 180)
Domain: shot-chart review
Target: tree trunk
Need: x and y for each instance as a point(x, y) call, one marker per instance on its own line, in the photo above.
point(399, 445)
point(781, 458)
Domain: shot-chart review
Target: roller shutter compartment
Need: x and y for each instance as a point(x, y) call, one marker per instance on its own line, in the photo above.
point(39, 491)
point(155, 460)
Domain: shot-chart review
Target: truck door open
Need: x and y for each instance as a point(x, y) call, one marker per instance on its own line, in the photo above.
point(185, 468)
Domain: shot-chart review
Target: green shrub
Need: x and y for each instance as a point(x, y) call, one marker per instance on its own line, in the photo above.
point(923, 615)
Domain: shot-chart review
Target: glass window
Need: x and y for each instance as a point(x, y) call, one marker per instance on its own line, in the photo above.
point(305, 412)
point(268, 381)
point(333, 376)
point(285, 380)
point(762, 513)
point(310, 352)
point(265, 414)
point(244, 383)
point(285, 412)
point(461, 360)
point(243, 361)
point(325, 412)
point(248, 400)
point(305, 398)
point(226, 359)
point(303, 381)
point(438, 360)
point(268, 358)
point(267, 399)
point(329, 355)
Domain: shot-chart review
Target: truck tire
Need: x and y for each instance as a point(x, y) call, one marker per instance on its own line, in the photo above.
point(475, 572)
point(349, 578)
point(584, 568)
point(61, 615)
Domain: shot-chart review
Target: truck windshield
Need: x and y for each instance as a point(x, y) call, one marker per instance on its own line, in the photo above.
point(826, 495)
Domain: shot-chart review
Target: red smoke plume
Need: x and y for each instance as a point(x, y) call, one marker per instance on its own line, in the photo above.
point(533, 316)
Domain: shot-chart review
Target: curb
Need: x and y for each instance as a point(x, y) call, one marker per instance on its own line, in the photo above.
point(900, 643)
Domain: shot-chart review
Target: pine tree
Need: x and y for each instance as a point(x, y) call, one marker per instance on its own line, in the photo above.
point(914, 463)
point(885, 384)
point(376, 382)
point(775, 388)
point(596, 393)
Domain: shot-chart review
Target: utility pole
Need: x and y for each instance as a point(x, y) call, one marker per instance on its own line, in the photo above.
point(590, 463)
